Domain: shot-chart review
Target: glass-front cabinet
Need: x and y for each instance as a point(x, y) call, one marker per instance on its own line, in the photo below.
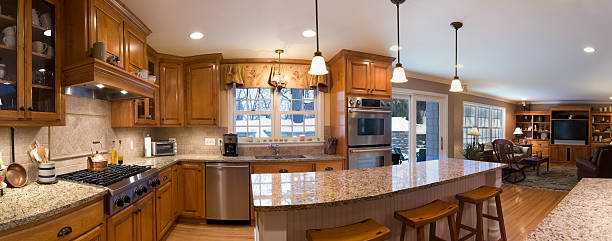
point(30, 85)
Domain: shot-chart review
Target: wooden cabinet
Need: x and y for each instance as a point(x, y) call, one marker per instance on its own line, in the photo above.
point(202, 94)
point(122, 225)
point(134, 113)
point(192, 190)
point(569, 153)
point(96, 234)
point(145, 218)
point(171, 94)
point(135, 48)
point(164, 209)
point(580, 152)
point(176, 201)
point(107, 27)
point(540, 145)
point(284, 167)
point(31, 90)
point(362, 74)
point(79, 221)
point(328, 166)
point(558, 154)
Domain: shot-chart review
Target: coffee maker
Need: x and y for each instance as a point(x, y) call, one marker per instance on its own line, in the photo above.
point(230, 144)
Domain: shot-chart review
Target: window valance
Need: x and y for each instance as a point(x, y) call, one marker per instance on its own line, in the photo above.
point(260, 75)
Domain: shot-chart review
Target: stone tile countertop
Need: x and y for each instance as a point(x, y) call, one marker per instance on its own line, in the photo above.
point(290, 191)
point(33, 202)
point(163, 162)
point(584, 214)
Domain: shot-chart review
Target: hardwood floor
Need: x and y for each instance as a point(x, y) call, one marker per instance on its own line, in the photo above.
point(524, 209)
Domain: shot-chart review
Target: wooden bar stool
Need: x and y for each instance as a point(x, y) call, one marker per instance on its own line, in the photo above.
point(477, 197)
point(419, 217)
point(366, 230)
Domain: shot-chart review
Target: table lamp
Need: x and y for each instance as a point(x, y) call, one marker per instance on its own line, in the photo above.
point(474, 132)
point(518, 132)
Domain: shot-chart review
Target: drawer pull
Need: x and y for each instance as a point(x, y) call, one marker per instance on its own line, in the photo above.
point(329, 169)
point(283, 171)
point(64, 231)
point(165, 178)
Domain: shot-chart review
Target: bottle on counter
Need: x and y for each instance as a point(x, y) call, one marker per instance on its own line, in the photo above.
point(113, 153)
point(120, 154)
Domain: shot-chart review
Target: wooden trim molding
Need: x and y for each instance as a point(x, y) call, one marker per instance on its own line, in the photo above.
point(127, 13)
point(265, 60)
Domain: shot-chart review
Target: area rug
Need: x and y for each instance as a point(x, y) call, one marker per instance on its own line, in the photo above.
point(558, 179)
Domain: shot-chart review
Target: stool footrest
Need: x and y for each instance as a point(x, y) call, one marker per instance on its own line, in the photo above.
point(463, 226)
point(467, 237)
point(490, 217)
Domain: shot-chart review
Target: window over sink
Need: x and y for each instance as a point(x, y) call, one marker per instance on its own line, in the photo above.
point(272, 115)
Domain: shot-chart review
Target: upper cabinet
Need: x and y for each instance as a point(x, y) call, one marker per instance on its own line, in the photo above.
point(124, 36)
point(31, 90)
point(202, 91)
point(362, 74)
point(171, 93)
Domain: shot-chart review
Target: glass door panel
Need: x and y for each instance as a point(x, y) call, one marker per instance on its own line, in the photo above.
point(43, 44)
point(10, 88)
point(400, 127)
point(427, 131)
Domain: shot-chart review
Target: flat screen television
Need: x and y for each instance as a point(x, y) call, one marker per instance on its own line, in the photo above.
point(570, 132)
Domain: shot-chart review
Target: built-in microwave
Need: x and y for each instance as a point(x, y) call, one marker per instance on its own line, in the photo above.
point(368, 122)
point(164, 148)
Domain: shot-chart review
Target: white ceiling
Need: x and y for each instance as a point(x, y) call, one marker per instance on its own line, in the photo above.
point(511, 49)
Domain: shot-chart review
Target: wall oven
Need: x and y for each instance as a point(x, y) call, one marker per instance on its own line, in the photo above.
point(368, 132)
point(367, 157)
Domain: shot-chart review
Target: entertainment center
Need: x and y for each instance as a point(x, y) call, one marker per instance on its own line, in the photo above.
point(565, 133)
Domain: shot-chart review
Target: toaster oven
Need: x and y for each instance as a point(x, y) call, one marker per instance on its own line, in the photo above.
point(164, 148)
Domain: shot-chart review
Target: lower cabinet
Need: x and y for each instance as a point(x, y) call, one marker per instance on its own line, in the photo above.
point(192, 190)
point(164, 204)
point(176, 201)
point(291, 167)
point(569, 153)
point(328, 166)
point(84, 223)
point(134, 223)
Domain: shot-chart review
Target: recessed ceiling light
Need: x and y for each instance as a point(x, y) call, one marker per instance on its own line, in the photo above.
point(124, 92)
point(196, 35)
point(47, 32)
point(309, 33)
point(589, 49)
point(395, 48)
point(100, 86)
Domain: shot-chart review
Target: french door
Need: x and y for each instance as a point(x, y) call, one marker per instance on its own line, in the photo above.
point(420, 125)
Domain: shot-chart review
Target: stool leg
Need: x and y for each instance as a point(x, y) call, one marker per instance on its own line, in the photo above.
point(459, 213)
point(420, 234)
point(432, 231)
point(479, 222)
point(452, 227)
point(500, 216)
point(403, 232)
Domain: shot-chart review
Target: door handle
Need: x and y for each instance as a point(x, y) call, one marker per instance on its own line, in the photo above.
point(371, 150)
point(283, 171)
point(370, 111)
point(442, 143)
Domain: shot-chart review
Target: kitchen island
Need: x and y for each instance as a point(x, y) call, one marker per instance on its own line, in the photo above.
point(584, 214)
point(288, 204)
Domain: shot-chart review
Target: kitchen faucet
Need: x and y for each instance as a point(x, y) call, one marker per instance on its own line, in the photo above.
point(276, 149)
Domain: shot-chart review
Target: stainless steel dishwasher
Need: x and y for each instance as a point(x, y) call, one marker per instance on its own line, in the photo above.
point(227, 191)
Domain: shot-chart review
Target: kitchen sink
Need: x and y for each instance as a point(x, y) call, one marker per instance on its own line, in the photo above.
point(281, 157)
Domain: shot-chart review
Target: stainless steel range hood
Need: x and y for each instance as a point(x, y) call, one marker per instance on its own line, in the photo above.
point(96, 79)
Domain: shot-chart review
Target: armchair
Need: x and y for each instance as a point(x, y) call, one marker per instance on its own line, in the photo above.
point(600, 165)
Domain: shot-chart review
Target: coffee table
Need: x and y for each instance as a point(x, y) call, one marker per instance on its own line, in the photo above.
point(536, 162)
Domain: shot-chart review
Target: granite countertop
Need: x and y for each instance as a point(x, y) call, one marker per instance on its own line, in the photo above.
point(33, 202)
point(290, 191)
point(584, 214)
point(20, 206)
point(163, 162)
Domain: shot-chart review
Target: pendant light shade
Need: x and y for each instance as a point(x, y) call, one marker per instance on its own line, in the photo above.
point(456, 84)
point(399, 74)
point(317, 66)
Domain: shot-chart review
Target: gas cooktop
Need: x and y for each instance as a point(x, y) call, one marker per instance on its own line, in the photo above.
point(114, 174)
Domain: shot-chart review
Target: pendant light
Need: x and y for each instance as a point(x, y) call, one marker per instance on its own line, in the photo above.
point(456, 84)
point(317, 67)
point(278, 80)
point(399, 75)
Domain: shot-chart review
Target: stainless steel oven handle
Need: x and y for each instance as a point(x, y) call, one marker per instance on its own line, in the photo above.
point(371, 150)
point(371, 111)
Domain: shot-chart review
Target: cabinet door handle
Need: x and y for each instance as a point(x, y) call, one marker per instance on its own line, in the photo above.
point(30, 108)
point(165, 178)
point(64, 231)
point(22, 108)
point(283, 171)
point(329, 169)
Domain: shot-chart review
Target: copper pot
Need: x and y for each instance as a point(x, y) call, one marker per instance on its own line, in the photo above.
point(16, 175)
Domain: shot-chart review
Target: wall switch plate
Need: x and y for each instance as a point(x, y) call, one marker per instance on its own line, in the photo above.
point(209, 141)
point(220, 142)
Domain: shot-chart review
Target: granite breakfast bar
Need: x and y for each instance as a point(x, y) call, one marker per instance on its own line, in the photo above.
point(288, 204)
